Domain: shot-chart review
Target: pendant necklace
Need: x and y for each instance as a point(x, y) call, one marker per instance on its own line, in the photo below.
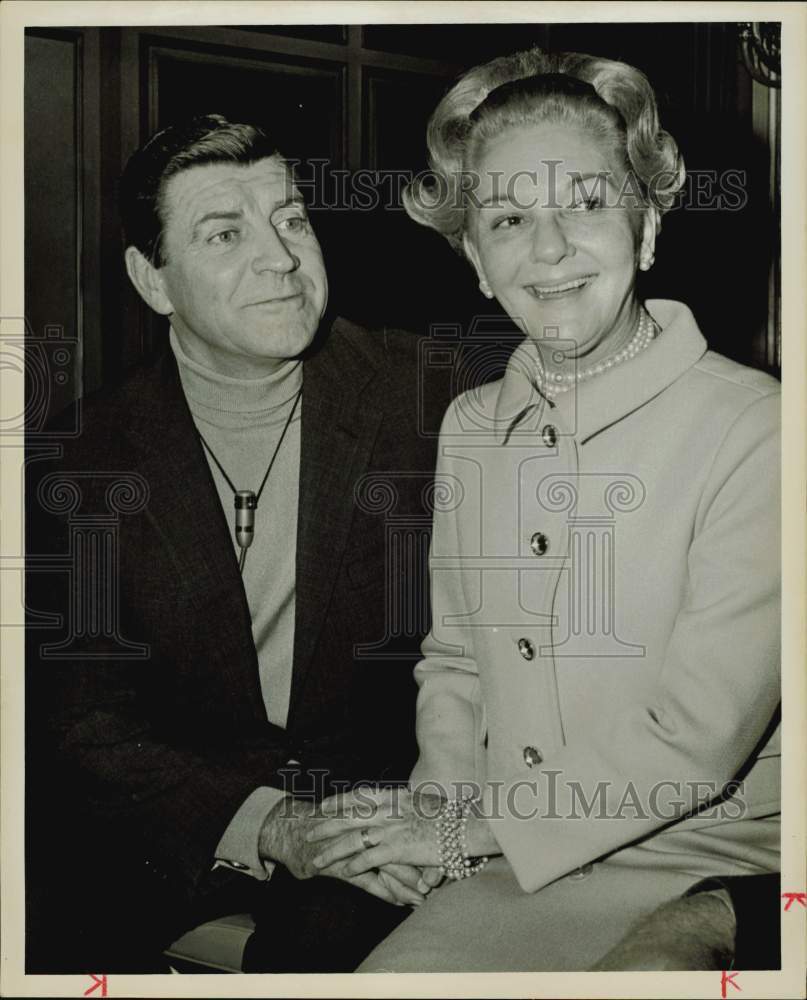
point(246, 501)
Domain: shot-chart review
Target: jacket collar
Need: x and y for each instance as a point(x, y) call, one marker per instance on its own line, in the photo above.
point(611, 396)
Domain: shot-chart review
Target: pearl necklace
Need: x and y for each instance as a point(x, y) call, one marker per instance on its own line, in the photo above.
point(559, 382)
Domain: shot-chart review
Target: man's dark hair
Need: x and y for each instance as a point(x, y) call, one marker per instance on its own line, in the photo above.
point(192, 143)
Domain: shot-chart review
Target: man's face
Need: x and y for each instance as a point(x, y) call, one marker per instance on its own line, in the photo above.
point(244, 281)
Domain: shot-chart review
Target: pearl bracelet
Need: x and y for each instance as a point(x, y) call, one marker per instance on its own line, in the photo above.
point(455, 862)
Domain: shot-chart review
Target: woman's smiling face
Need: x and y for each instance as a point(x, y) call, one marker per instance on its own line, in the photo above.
point(548, 232)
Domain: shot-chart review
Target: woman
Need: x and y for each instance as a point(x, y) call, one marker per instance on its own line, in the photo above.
point(603, 665)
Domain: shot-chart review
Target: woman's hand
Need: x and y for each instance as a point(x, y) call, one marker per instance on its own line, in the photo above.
point(407, 883)
point(396, 884)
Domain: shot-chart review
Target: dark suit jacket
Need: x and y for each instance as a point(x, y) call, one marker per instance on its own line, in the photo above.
point(156, 752)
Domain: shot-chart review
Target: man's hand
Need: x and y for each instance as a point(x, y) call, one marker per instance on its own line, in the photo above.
point(282, 836)
point(372, 828)
point(687, 934)
point(283, 839)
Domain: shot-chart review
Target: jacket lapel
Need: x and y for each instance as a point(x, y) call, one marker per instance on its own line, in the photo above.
point(340, 417)
point(341, 414)
point(185, 510)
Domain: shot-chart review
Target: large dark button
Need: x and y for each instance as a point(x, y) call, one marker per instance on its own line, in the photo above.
point(550, 436)
point(539, 543)
point(532, 756)
point(526, 648)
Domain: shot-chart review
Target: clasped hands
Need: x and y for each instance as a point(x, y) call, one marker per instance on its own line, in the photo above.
point(384, 841)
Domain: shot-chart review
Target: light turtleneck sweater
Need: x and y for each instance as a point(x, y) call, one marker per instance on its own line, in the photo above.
point(242, 420)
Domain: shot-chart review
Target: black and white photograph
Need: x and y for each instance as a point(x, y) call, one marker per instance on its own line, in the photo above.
point(402, 559)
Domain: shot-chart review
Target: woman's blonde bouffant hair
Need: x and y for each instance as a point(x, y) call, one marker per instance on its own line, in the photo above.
point(617, 106)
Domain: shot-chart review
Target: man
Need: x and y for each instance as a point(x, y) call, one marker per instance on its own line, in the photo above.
point(175, 758)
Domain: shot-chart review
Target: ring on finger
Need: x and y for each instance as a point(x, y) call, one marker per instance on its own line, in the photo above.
point(365, 838)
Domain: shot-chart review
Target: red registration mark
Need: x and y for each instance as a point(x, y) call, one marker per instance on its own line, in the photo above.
point(99, 982)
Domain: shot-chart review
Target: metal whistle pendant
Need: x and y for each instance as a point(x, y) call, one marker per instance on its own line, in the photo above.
point(246, 503)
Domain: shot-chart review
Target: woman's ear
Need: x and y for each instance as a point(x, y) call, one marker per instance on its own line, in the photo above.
point(651, 223)
point(473, 257)
point(148, 280)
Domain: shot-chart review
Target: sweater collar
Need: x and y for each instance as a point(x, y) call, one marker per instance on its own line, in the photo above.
point(615, 393)
point(226, 394)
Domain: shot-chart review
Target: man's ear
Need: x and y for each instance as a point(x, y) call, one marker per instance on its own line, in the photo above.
point(148, 281)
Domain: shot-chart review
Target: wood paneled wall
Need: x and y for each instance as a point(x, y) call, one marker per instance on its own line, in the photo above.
point(358, 98)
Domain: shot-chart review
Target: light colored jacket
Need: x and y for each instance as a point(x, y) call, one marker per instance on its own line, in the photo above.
point(604, 654)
